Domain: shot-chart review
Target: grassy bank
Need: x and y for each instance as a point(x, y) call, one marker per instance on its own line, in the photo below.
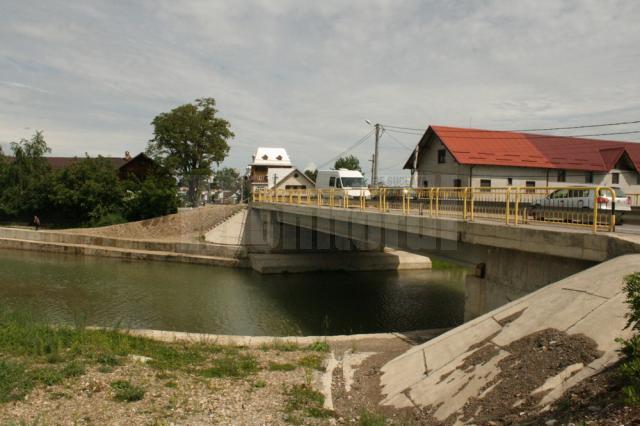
point(71, 374)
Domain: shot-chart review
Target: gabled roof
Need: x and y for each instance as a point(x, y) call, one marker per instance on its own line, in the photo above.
point(500, 148)
point(292, 172)
point(271, 157)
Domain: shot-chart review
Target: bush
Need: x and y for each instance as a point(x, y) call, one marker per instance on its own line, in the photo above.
point(125, 391)
point(629, 370)
point(232, 366)
point(14, 382)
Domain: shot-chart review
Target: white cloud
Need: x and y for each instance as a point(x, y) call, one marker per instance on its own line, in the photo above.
point(305, 75)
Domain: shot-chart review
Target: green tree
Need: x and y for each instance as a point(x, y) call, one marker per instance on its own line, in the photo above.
point(87, 192)
point(227, 179)
point(156, 196)
point(22, 189)
point(188, 140)
point(311, 174)
point(350, 163)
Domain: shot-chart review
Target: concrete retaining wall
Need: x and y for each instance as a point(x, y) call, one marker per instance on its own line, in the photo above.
point(198, 249)
point(126, 254)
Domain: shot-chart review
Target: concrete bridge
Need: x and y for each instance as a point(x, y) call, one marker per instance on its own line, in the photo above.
point(511, 261)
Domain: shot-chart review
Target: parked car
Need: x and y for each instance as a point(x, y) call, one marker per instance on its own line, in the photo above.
point(349, 182)
point(583, 199)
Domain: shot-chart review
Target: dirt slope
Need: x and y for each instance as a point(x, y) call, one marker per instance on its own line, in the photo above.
point(189, 225)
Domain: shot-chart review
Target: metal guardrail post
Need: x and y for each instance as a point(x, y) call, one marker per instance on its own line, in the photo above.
point(596, 191)
point(517, 205)
point(404, 200)
point(431, 190)
point(472, 203)
point(464, 203)
point(612, 222)
point(507, 205)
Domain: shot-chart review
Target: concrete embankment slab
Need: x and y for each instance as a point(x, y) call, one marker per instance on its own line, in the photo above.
point(590, 303)
point(114, 252)
point(229, 232)
point(388, 260)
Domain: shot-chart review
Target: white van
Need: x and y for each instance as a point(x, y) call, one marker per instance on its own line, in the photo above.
point(344, 181)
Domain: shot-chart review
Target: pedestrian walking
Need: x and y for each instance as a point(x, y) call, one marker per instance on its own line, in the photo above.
point(36, 222)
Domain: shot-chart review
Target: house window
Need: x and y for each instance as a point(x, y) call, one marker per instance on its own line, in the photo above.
point(588, 177)
point(562, 175)
point(485, 183)
point(457, 183)
point(638, 179)
point(442, 156)
point(615, 178)
point(425, 183)
point(509, 181)
point(332, 181)
point(531, 184)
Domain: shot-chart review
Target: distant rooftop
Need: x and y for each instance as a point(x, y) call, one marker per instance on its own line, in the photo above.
point(266, 156)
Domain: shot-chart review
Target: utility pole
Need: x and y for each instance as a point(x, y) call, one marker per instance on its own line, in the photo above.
point(373, 165)
point(375, 156)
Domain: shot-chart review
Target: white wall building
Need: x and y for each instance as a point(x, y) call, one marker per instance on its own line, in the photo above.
point(272, 167)
point(451, 157)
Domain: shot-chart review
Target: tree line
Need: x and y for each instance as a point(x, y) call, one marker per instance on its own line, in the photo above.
point(187, 141)
point(88, 192)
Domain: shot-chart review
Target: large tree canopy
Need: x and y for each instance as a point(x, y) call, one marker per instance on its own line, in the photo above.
point(188, 140)
point(350, 163)
point(23, 179)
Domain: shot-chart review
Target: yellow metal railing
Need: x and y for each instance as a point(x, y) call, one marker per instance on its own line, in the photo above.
point(577, 206)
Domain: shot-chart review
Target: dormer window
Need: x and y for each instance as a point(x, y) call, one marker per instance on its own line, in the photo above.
point(265, 157)
point(279, 157)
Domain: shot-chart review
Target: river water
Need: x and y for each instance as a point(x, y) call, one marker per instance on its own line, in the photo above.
point(171, 296)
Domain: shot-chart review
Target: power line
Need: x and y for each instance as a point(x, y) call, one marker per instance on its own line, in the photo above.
point(584, 126)
point(402, 131)
point(620, 123)
point(397, 141)
point(355, 145)
point(403, 128)
point(529, 136)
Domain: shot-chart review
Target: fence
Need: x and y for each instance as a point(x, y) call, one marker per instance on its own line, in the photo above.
point(592, 207)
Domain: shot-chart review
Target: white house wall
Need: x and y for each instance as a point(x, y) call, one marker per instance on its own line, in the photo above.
point(444, 175)
point(292, 180)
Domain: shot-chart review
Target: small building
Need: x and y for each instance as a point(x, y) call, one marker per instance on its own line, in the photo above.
point(295, 179)
point(455, 157)
point(268, 166)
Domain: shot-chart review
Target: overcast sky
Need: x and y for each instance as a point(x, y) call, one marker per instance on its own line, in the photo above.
point(305, 75)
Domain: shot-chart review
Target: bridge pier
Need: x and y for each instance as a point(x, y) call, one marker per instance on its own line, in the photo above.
point(276, 246)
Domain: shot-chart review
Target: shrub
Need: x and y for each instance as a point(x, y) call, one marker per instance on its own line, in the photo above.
point(319, 346)
point(304, 399)
point(313, 361)
point(14, 382)
point(231, 366)
point(275, 366)
point(125, 391)
point(629, 370)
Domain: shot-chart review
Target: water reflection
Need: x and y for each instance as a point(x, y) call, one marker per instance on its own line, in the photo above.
point(195, 298)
